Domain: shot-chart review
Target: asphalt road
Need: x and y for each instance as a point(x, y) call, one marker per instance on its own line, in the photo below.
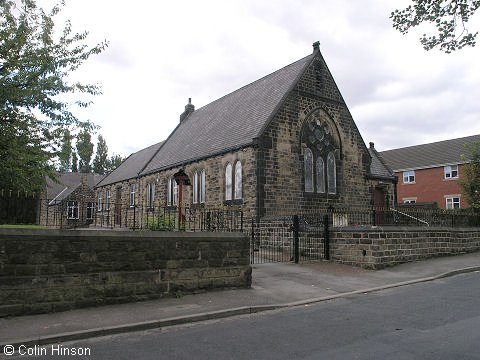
point(434, 320)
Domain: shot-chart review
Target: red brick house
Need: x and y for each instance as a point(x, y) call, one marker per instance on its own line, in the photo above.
point(429, 173)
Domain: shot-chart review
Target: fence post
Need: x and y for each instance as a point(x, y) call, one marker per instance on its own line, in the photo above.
point(252, 243)
point(296, 228)
point(326, 236)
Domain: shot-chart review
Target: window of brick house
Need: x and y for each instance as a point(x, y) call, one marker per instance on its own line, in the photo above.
point(409, 200)
point(452, 202)
point(72, 210)
point(451, 172)
point(408, 177)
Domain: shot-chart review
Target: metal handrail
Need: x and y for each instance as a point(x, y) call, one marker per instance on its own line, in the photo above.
point(410, 216)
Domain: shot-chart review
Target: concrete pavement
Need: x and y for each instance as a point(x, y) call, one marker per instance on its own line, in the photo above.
point(274, 286)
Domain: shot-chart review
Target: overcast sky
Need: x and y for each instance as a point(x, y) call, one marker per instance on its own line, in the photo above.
point(163, 52)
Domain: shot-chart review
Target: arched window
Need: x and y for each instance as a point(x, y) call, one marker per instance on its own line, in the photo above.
point(238, 180)
point(172, 192)
point(228, 182)
point(202, 187)
point(175, 192)
point(198, 191)
point(195, 188)
point(331, 173)
point(320, 175)
point(308, 170)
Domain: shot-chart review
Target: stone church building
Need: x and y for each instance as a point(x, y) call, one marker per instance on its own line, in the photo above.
point(284, 143)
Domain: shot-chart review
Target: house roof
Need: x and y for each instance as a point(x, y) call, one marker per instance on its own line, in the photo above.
point(65, 183)
point(132, 165)
point(229, 123)
point(423, 156)
point(378, 167)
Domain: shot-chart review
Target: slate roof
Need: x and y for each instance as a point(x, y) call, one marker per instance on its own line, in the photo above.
point(424, 156)
point(132, 165)
point(378, 166)
point(66, 183)
point(230, 122)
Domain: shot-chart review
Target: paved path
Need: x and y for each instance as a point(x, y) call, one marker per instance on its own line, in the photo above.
point(274, 286)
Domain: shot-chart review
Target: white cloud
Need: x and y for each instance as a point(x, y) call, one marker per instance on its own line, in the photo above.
point(161, 53)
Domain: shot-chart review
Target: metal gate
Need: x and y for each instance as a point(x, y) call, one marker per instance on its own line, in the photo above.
point(289, 238)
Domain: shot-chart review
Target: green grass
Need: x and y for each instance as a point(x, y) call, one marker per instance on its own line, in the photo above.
point(21, 226)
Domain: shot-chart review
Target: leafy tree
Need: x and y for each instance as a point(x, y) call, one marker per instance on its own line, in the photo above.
point(114, 162)
point(449, 16)
point(100, 162)
point(74, 162)
point(65, 154)
point(470, 182)
point(84, 148)
point(34, 66)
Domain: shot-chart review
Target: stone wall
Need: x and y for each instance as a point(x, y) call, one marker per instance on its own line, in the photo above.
point(214, 190)
point(54, 270)
point(378, 248)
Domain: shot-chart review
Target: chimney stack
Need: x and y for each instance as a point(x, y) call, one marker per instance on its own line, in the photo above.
point(189, 108)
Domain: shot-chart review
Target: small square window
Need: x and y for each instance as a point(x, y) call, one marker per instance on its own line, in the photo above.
point(408, 177)
point(409, 201)
point(452, 202)
point(451, 172)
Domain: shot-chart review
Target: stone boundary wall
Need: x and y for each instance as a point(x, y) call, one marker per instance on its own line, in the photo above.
point(54, 270)
point(377, 248)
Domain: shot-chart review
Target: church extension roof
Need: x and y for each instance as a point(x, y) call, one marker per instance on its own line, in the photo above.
point(132, 165)
point(59, 188)
point(229, 123)
point(424, 156)
point(378, 167)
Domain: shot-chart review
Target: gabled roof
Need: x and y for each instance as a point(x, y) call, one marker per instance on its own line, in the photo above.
point(66, 183)
point(230, 122)
point(378, 167)
point(424, 156)
point(132, 165)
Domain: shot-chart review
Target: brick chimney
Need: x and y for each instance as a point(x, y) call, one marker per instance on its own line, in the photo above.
point(189, 108)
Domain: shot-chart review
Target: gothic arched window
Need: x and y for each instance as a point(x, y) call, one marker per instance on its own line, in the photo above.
point(331, 173)
point(228, 182)
point(238, 180)
point(320, 175)
point(202, 187)
point(308, 170)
